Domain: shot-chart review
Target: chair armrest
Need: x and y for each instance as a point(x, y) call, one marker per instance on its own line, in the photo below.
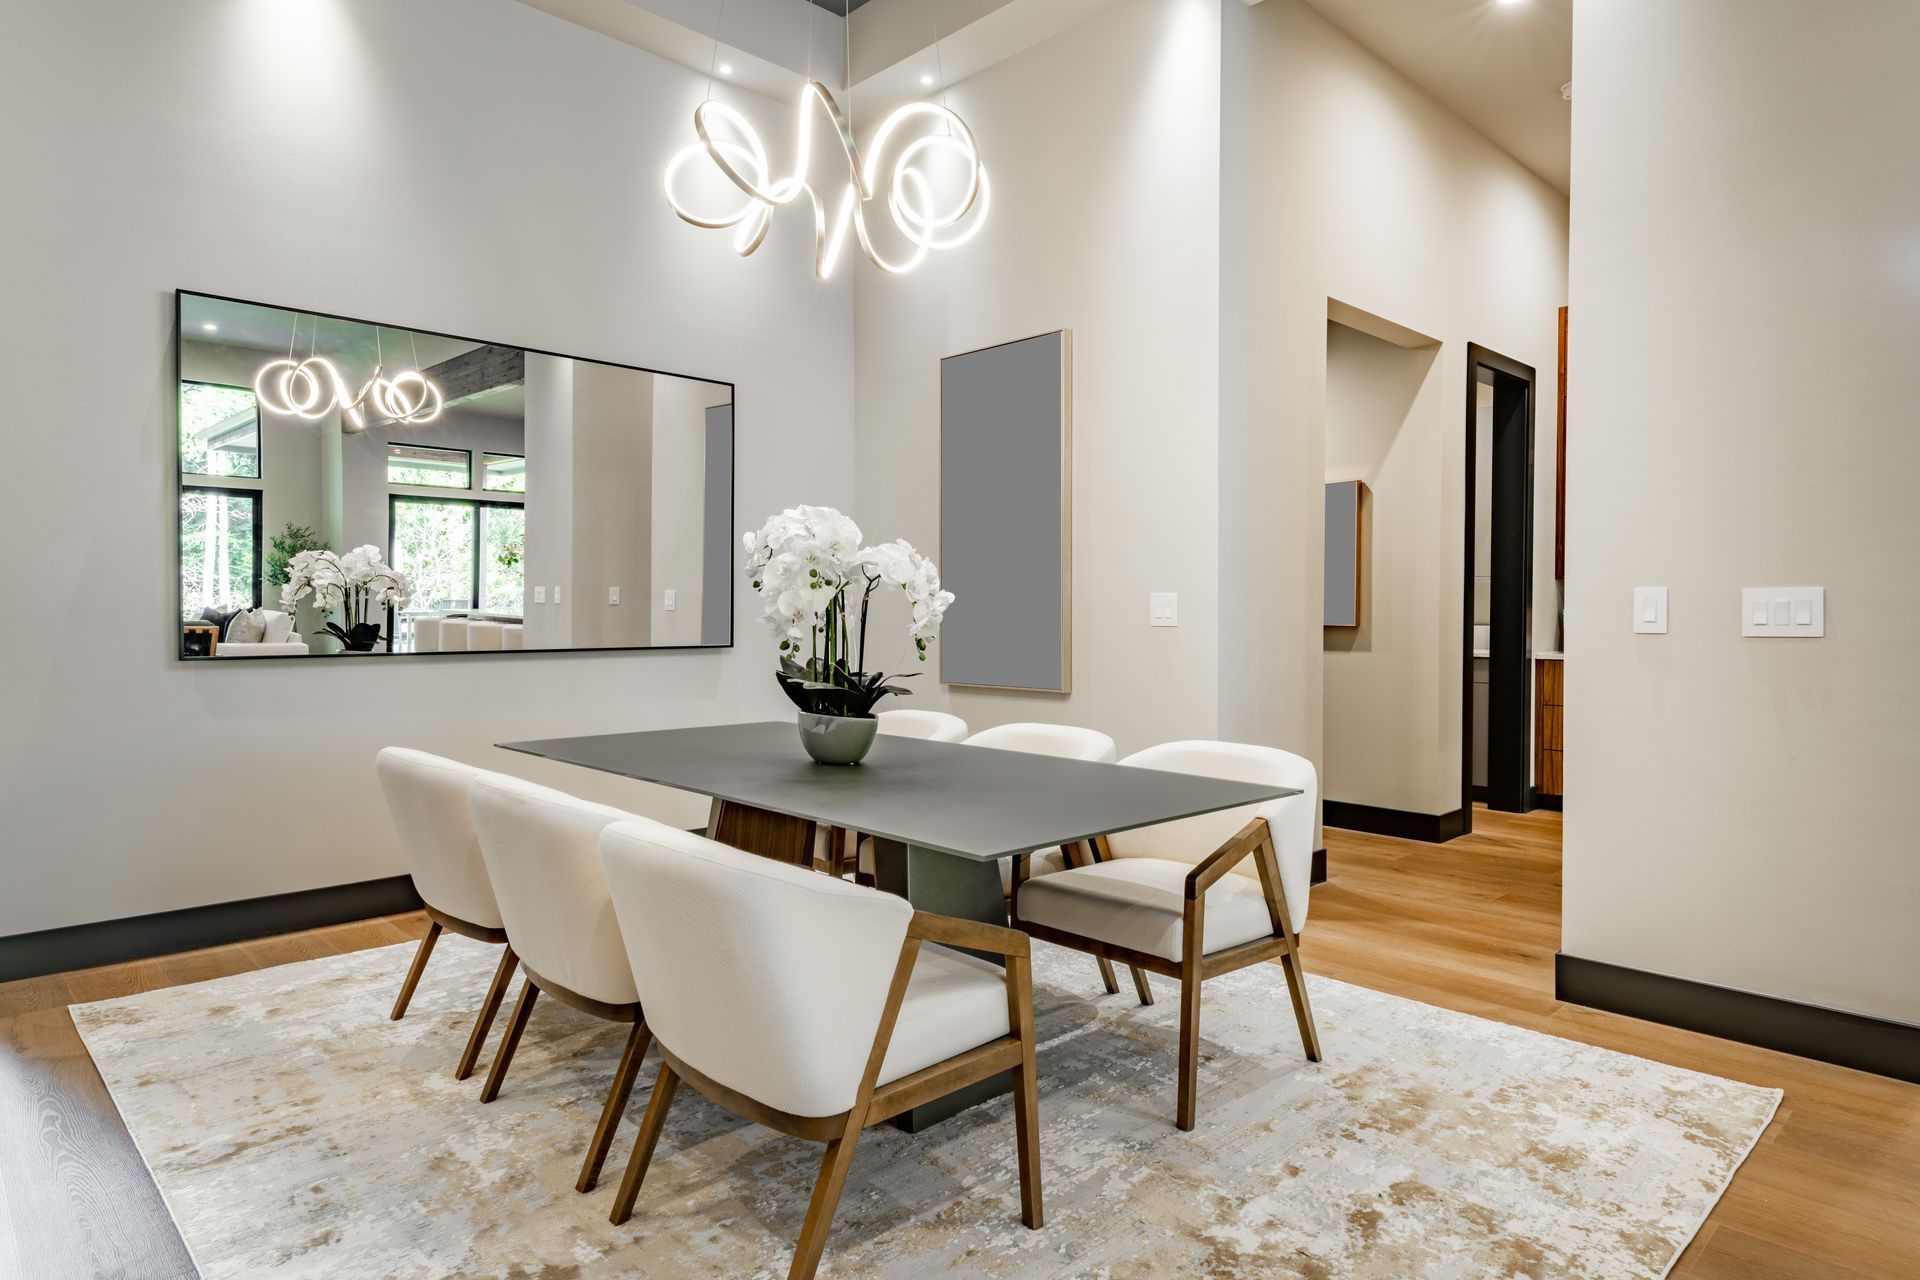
point(973, 934)
point(1221, 860)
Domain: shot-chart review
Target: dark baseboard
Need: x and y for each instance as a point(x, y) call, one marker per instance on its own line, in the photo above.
point(1435, 828)
point(82, 946)
point(1826, 1035)
point(1541, 800)
point(1479, 795)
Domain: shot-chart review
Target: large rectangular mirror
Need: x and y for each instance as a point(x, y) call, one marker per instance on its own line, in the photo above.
point(355, 489)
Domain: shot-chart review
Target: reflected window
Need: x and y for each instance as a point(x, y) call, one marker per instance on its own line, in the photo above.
point(420, 464)
point(503, 473)
point(433, 544)
point(219, 550)
point(219, 431)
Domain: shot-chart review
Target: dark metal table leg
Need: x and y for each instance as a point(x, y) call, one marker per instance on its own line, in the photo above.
point(950, 886)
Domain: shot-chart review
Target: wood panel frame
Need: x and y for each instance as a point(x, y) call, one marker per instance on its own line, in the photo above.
point(1066, 507)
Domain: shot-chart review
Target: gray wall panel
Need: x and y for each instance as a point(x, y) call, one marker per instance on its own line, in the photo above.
point(1004, 507)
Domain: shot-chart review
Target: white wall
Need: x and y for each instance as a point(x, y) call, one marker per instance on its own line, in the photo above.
point(130, 782)
point(1386, 683)
point(1745, 314)
point(1101, 145)
point(1341, 180)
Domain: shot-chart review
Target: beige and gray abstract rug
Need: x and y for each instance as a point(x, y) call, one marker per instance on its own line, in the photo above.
point(295, 1131)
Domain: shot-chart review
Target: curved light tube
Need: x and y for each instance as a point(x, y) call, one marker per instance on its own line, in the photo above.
point(729, 141)
point(309, 388)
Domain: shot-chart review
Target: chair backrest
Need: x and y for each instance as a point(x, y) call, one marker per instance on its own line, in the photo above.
point(764, 977)
point(1065, 740)
point(1192, 839)
point(427, 797)
point(543, 851)
point(936, 726)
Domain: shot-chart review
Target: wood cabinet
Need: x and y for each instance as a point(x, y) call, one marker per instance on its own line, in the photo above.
point(1549, 682)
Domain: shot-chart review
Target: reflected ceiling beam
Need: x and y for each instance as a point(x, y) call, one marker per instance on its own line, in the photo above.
point(479, 372)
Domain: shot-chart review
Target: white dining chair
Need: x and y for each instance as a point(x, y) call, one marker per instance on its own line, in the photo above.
point(542, 849)
point(427, 799)
point(1197, 897)
point(934, 726)
point(723, 945)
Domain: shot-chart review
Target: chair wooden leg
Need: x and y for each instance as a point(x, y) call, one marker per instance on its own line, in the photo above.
point(419, 967)
point(1140, 986)
point(1189, 1049)
point(496, 992)
point(1302, 1011)
point(616, 1105)
point(516, 1023)
point(664, 1087)
point(1026, 1096)
point(826, 1198)
point(1107, 978)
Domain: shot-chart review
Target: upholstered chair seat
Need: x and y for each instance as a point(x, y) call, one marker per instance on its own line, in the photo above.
point(935, 726)
point(1196, 897)
point(1140, 903)
point(542, 849)
point(427, 798)
point(725, 947)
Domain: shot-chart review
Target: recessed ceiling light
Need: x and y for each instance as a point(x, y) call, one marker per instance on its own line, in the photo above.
point(926, 80)
point(211, 327)
point(726, 68)
point(1511, 3)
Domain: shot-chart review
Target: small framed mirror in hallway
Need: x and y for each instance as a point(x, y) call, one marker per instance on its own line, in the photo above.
point(1497, 668)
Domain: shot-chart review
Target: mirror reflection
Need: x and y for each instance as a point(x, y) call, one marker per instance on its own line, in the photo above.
point(353, 489)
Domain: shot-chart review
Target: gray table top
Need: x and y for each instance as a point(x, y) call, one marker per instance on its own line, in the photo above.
point(973, 802)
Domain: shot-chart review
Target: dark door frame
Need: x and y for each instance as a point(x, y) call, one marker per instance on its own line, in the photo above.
point(1509, 717)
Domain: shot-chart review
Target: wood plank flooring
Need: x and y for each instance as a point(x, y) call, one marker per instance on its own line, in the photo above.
point(1832, 1190)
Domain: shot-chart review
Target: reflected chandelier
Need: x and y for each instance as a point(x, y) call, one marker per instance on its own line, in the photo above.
point(729, 141)
point(309, 388)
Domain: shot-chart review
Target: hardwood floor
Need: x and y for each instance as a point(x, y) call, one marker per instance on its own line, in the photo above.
point(1832, 1190)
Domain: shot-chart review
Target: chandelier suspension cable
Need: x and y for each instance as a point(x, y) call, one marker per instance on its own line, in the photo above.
point(939, 67)
point(713, 63)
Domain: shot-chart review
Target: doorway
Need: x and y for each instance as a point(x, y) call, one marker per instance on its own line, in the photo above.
point(1497, 680)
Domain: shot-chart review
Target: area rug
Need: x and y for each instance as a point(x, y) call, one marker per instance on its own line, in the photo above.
point(295, 1131)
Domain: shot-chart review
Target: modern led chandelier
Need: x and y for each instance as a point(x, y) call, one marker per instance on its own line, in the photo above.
point(729, 141)
point(308, 388)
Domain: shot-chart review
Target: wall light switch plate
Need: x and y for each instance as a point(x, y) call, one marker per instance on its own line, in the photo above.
point(557, 594)
point(1163, 609)
point(1650, 611)
point(669, 605)
point(1783, 612)
point(539, 595)
point(613, 595)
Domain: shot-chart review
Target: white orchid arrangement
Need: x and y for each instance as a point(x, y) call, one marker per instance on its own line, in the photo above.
point(358, 584)
point(815, 582)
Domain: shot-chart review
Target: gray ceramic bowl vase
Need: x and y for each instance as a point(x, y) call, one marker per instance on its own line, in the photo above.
point(837, 739)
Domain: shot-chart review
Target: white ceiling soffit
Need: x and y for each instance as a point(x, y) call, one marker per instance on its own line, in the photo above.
point(766, 41)
point(1498, 66)
point(893, 39)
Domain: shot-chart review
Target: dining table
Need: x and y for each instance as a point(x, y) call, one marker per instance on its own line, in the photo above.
point(941, 815)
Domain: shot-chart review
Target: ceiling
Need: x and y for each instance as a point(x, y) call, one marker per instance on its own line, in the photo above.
point(1498, 66)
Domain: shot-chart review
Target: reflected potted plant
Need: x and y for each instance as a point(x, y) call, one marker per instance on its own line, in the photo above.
point(816, 583)
point(359, 583)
